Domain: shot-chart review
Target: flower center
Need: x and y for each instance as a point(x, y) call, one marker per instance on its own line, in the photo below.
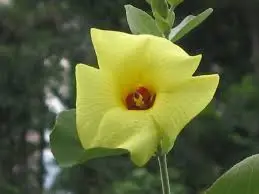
point(141, 99)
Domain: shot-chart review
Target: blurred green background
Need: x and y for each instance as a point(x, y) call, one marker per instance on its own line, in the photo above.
point(41, 41)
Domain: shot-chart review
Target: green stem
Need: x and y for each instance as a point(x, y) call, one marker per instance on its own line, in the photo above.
point(164, 173)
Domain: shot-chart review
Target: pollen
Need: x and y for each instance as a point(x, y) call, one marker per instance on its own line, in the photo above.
point(140, 99)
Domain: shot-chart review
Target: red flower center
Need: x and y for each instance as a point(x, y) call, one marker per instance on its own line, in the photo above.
point(141, 99)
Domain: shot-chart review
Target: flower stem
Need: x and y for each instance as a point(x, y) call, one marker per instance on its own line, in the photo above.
point(164, 173)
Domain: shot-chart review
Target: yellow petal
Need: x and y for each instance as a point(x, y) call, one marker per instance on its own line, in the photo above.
point(142, 60)
point(130, 130)
point(172, 111)
point(95, 96)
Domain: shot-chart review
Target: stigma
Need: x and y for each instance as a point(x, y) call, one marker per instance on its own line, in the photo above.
point(140, 99)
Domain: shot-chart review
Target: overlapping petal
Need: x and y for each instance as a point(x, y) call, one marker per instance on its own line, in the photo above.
point(172, 111)
point(128, 62)
point(144, 59)
point(131, 130)
point(95, 96)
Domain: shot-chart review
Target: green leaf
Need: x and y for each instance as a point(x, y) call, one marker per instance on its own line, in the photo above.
point(175, 3)
point(243, 178)
point(140, 22)
point(162, 24)
point(148, 1)
point(160, 6)
point(171, 18)
point(188, 24)
point(65, 144)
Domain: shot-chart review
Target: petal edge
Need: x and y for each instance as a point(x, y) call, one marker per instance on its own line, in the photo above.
point(174, 110)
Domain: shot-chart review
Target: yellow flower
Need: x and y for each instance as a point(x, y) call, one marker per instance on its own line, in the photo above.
point(142, 95)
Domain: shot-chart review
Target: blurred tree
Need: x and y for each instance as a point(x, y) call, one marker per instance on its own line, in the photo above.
point(33, 45)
